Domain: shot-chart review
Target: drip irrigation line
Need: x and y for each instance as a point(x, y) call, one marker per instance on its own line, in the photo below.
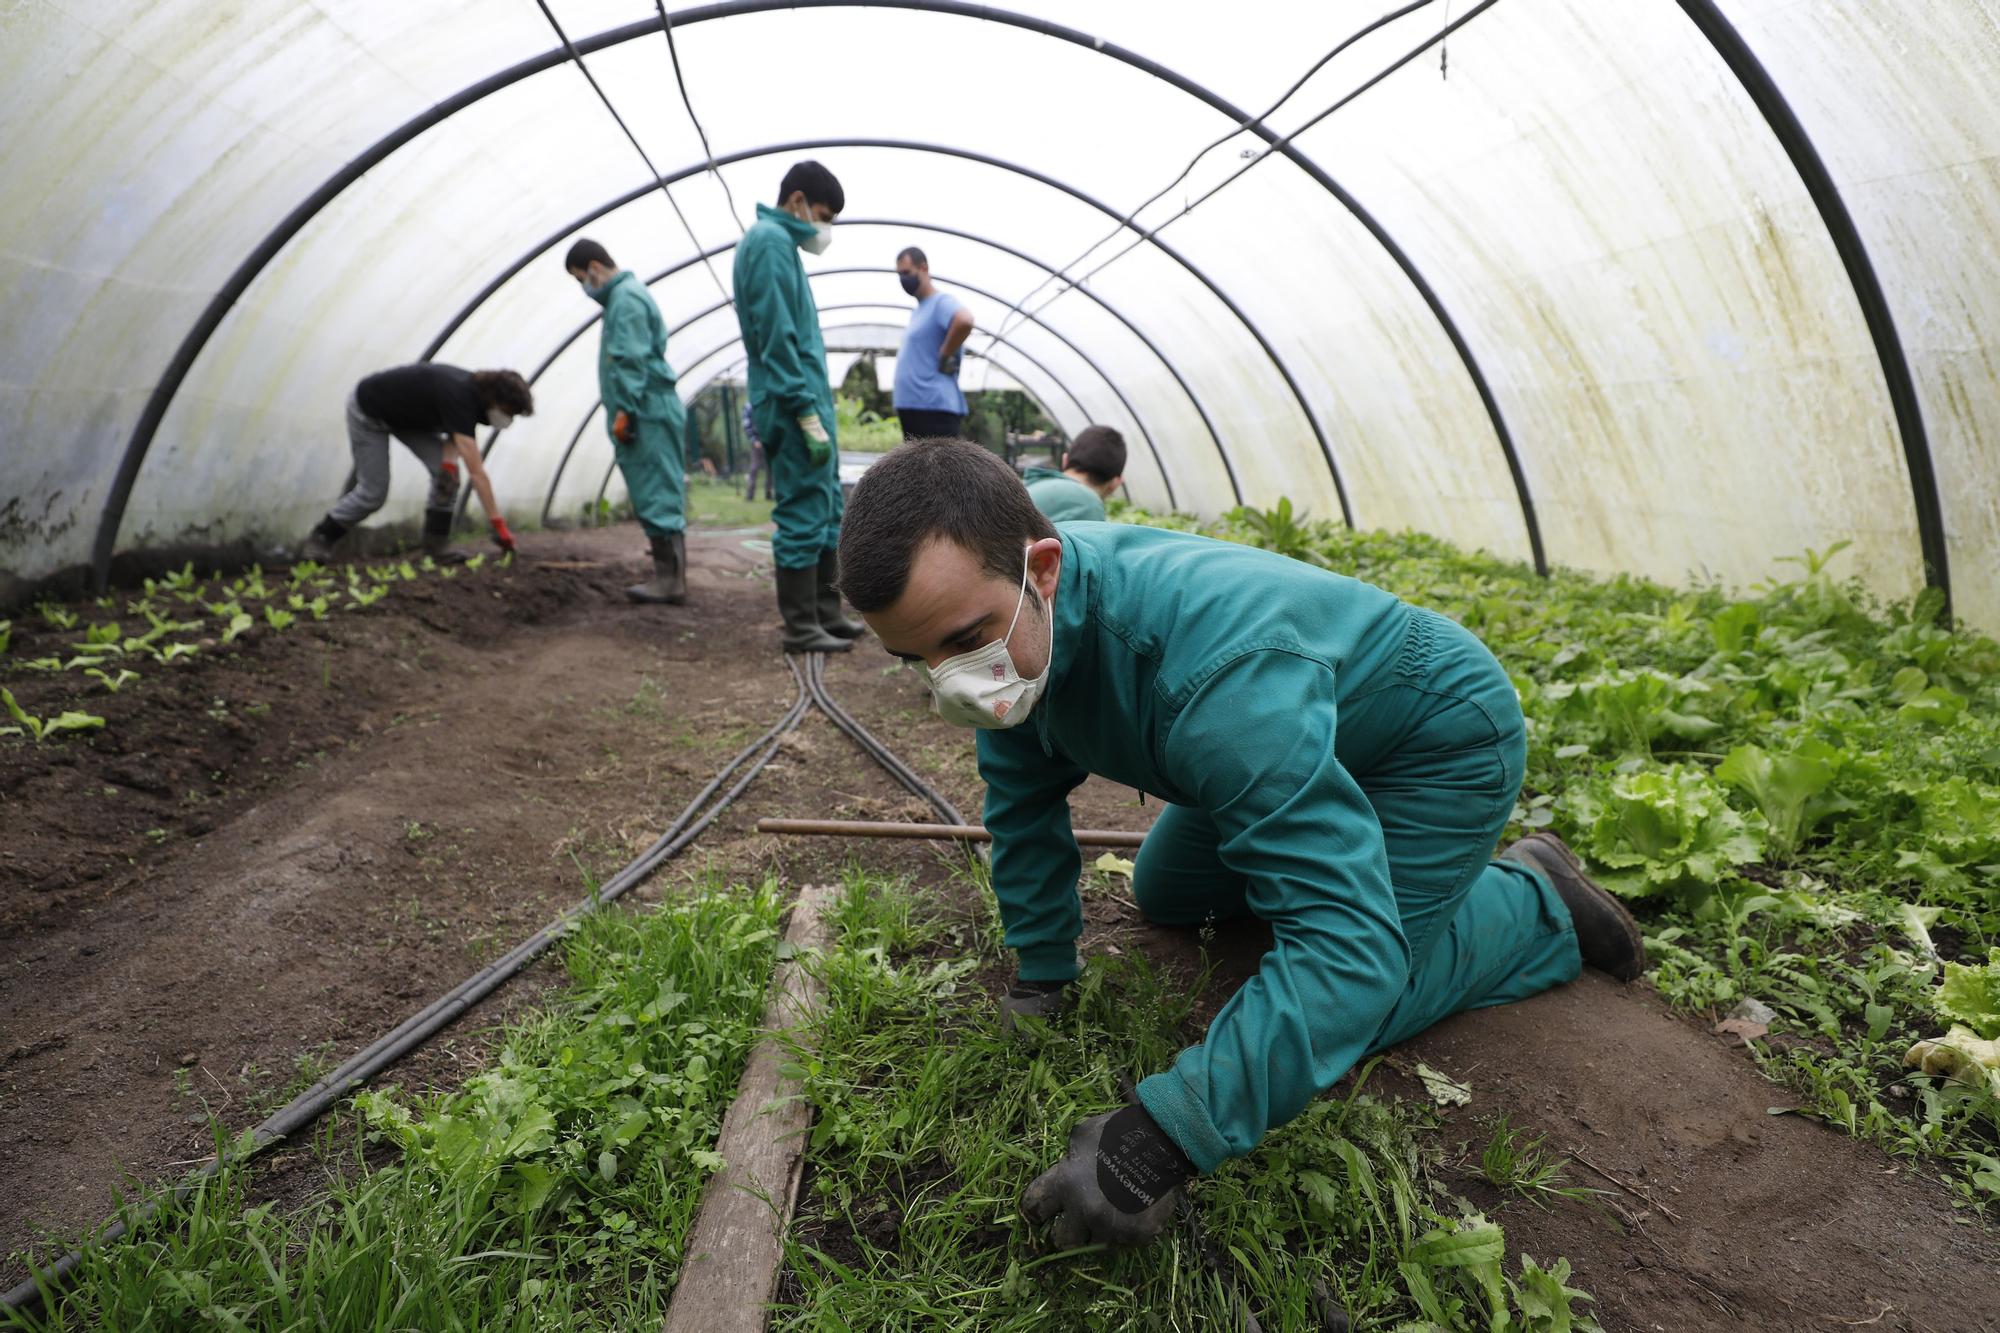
point(420, 1027)
point(1276, 145)
point(1248, 123)
point(810, 690)
point(583, 69)
point(880, 753)
point(673, 54)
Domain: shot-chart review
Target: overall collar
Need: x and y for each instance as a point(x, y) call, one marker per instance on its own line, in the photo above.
point(801, 231)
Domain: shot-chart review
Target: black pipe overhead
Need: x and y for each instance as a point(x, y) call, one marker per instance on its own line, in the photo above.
point(112, 515)
point(1082, 355)
point(975, 237)
point(577, 224)
point(1839, 223)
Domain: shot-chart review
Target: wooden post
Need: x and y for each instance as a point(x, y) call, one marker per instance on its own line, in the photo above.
point(738, 1240)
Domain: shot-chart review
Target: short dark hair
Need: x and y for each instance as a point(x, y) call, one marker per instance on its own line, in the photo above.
point(506, 390)
point(926, 489)
point(914, 254)
point(819, 184)
point(1098, 452)
point(584, 253)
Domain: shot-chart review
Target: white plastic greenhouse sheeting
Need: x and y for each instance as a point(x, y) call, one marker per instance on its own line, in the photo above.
point(1629, 252)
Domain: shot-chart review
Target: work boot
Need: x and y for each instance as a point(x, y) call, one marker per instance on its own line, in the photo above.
point(321, 540)
point(1032, 999)
point(831, 618)
point(798, 594)
point(1606, 934)
point(669, 582)
point(437, 537)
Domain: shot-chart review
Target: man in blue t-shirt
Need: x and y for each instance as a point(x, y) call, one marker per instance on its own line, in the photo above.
point(928, 401)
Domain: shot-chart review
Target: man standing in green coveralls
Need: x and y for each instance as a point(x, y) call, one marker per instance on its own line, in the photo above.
point(791, 403)
point(643, 413)
point(1334, 761)
point(1093, 467)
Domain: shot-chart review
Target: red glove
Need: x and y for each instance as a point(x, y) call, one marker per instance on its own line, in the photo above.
point(450, 468)
point(621, 428)
point(502, 535)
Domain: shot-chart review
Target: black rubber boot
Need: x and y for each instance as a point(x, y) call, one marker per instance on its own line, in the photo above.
point(437, 537)
point(1044, 1000)
point(798, 597)
point(668, 586)
point(1606, 934)
point(831, 618)
point(321, 540)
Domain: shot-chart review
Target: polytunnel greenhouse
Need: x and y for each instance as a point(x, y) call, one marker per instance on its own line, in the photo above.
point(1448, 556)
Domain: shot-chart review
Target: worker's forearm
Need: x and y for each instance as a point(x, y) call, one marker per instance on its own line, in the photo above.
point(954, 337)
point(484, 487)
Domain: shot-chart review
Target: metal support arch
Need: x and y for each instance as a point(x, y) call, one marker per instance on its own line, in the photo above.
point(1082, 355)
point(112, 514)
point(1798, 145)
point(721, 347)
point(973, 236)
point(550, 241)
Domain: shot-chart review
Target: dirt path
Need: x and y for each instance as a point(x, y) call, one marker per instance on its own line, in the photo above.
point(381, 804)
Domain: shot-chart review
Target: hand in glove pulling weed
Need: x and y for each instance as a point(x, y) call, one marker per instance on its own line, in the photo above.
point(503, 535)
point(1117, 1186)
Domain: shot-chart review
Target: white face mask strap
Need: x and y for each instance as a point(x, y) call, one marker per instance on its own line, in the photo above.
point(1022, 600)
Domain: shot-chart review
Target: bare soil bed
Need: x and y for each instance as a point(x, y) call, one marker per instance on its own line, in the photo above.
point(268, 858)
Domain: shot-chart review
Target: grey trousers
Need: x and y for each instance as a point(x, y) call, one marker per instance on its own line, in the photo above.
point(369, 439)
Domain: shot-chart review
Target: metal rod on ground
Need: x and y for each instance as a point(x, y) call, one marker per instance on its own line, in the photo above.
point(871, 828)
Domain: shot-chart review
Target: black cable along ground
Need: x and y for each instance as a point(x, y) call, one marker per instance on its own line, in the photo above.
point(420, 1027)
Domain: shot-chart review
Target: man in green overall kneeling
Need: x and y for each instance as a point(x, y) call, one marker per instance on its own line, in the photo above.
point(1334, 761)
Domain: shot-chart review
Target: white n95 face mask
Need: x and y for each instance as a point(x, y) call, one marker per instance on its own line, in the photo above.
point(497, 419)
point(981, 688)
point(821, 238)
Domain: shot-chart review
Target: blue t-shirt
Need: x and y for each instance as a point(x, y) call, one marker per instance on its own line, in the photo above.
point(918, 384)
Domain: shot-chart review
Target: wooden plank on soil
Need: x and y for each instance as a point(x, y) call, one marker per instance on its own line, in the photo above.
point(738, 1240)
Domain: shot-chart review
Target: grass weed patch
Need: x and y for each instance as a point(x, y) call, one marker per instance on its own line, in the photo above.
point(932, 1122)
point(553, 1191)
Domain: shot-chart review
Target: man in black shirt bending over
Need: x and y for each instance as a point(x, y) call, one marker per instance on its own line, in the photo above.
point(435, 411)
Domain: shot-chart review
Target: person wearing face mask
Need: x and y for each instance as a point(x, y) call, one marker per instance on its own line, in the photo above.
point(1093, 468)
point(435, 410)
point(928, 401)
point(1333, 760)
point(791, 403)
point(642, 412)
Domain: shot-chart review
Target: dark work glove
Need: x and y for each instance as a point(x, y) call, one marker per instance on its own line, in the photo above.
point(1117, 1186)
point(1035, 999)
point(948, 363)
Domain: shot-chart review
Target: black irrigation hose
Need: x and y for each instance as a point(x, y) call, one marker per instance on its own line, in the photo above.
point(28, 1297)
point(420, 1027)
point(880, 753)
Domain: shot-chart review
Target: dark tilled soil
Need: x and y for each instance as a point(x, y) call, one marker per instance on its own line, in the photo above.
point(270, 857)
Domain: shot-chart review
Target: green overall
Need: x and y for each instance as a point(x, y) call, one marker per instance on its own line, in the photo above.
point(1213, 675)
point(780, 324)
point(633, 377)
point(1061, 498)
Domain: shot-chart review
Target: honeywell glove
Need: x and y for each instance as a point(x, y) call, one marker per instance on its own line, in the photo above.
point(621, 428)
point(1118, 1185)
point(818, 445)
point(502, 535)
